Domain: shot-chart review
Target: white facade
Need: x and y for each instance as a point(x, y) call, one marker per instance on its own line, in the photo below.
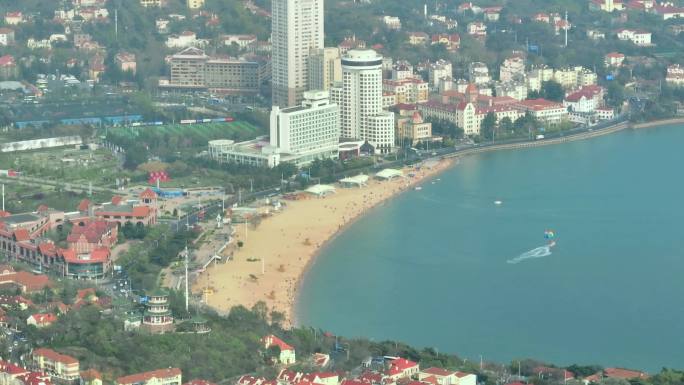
point(360, 99)
point(325, 68)
point(296, 29)
point(478, 73)
point(512, 68)
point(638, 37)
point(309, 131)
point(441, 69)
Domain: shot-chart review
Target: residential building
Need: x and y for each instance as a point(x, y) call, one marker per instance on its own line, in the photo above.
point(351, 43)
point(184, 40)
point(6, 37)
point(287, 353)
point(153, 3)
point(478, 73)
point(477, 30)
point(296, 30)
point(543, 110)
point(492, 14)
point(512, 67)
point(614, 59)
point(325, 68)
point(606, 5)
point(126, 62)
point(669, 11)
point(90, 377)
point(8, 67)
point(41, 320)
point(402, 70)
point(25, 281)
point(257, 152)
point(594, 34)
point(574, 77)
point(245, 42)
point(14, 18)
point(55, 364)
point(170, 376)
point(157, 318)
point(192, 69)
point(195, 4)
point(402, 368)
point(514, 89)
point(310, 131)
point(446, 377)
point(418, 38)
point(408, 90)
point(438, 70)
point(392, 22)
point(675, 75)
point(360, 99)
point(451, 41)
point(585, 100)
point(636, 36)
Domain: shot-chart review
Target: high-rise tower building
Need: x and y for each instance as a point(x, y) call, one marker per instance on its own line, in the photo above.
point(325, 68)
point(359, 98)
point(296, 29)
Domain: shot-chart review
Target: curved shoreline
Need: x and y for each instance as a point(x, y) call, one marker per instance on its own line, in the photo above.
point(247, 292)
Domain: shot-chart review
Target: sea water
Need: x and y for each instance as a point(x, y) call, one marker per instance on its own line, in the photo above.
point(446, 267)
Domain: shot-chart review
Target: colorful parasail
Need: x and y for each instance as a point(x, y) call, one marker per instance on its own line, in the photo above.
point(549, 234)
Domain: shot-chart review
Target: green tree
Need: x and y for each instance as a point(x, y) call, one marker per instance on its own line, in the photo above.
point(488, 126)
point(552, 90)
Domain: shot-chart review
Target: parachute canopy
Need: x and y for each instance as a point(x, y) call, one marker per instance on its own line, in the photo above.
point(549, 234)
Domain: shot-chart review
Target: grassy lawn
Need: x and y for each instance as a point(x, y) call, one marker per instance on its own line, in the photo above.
point(19, 198)
point(67, 164)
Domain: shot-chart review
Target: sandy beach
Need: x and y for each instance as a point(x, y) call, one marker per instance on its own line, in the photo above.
point(289, 241)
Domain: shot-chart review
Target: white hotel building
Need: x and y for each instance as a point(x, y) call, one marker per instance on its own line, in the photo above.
point(309, 131)
point(298, 135)
point(360, 99)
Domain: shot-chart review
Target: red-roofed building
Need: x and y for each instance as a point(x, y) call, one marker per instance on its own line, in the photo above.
point(451, 41)
point(87, 266)
point(24, 280)
point(543, 110)
point(402, 367)
point(320, 359)
point(251, 380)
point(614, 59)
point(14, 18)
point(91, 377)
point(170, 376)
point(585, 100)
point(55, 364)
point(287, 353)
point(625, 374)
point(8, 67)
point(13, 370)
point(92, 235)
point(41, 320)
point(440, 376)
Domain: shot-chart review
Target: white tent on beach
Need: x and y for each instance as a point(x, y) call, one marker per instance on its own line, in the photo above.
point(389, 173)
point(354, 181)
point(321, 190)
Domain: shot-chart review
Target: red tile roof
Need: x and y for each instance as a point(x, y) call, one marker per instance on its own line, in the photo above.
point(93, 231)
point(148, 193)
point(438, 371)
point(54, 356)
point(271, 340)
point(21, 235)
point(10, 368)
point(626, 374)
point(146, 376)
point(44, 318)
point(91, 374)
point(403, 364)
point(116, 199)
point(539, 104)
point(83, 205)
point(199, 382)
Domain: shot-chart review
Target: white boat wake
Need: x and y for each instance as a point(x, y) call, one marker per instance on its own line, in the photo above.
point(539, 252)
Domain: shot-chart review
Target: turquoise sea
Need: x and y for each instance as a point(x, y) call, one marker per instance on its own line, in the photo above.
point(438, 267)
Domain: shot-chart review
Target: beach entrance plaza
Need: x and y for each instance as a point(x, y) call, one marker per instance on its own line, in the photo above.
point(389, 174)
point(360, 180)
